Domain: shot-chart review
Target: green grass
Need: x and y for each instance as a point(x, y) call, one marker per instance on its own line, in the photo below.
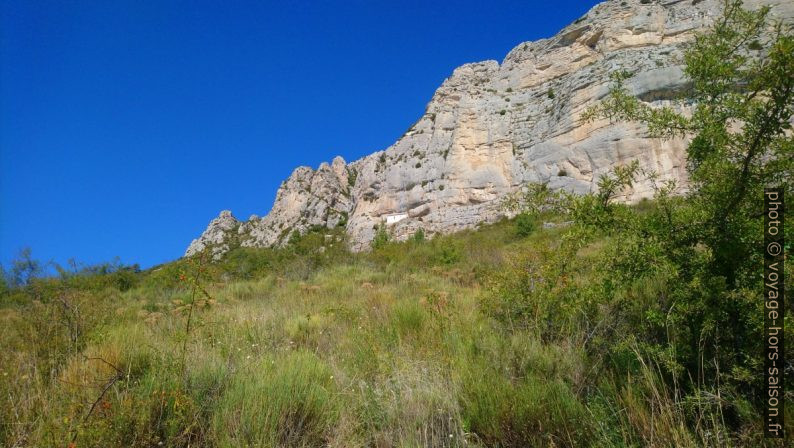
point(429, 342)
point(298, 403)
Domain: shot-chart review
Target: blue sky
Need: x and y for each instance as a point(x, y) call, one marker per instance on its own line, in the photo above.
point(125, 126)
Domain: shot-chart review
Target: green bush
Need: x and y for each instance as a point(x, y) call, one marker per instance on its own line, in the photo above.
point(525, 224)
point(381, 238)
point(447, 252)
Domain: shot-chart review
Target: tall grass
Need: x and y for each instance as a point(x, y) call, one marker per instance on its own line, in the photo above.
point(473, 339)
point(287, 400)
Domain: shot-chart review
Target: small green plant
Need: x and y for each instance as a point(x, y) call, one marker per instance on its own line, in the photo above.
point(502, 112)
point(419, 235)
point(294, 238)
point(449, 253)
point(525, 224)
point(382, 237)
point(352, 175)
point(551, 94)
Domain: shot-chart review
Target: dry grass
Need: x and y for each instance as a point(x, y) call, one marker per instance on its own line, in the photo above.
point(390, 349)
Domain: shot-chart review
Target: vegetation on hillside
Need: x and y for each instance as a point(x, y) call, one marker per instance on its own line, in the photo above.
point(617, 326)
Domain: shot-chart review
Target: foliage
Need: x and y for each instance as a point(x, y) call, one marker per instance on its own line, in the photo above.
point(682, 273)
point(382, 237)
point(525, 224)
point(708, 240)
point(24, 268)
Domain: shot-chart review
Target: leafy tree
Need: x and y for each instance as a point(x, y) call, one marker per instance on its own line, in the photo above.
point(705, 244)
point(24, 268)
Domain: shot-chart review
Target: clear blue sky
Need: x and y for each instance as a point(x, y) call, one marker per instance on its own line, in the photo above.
point(125, 126)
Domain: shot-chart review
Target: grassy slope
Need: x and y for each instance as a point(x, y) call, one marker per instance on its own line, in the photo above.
point(317, 347)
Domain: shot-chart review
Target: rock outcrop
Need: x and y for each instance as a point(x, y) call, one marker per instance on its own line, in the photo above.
point(492, 128)
point(217, 238)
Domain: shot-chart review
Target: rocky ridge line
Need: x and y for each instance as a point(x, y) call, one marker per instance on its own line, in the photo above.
point(492, 128)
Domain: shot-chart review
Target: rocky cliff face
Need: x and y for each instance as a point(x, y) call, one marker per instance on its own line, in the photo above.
point(492, 128)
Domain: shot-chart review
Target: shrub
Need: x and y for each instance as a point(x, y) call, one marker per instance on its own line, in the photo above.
point(525, 224)
point(448, 252)
point(382, 237)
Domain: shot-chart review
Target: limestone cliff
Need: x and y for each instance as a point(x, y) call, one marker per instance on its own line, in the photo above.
point(491, 128)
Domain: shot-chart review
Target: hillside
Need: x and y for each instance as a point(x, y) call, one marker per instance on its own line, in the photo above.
point(304, 346)
point(312, 345)
point(493, 127)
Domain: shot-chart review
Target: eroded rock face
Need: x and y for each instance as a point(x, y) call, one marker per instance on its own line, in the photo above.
point(217, 236)
point(492, 128)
